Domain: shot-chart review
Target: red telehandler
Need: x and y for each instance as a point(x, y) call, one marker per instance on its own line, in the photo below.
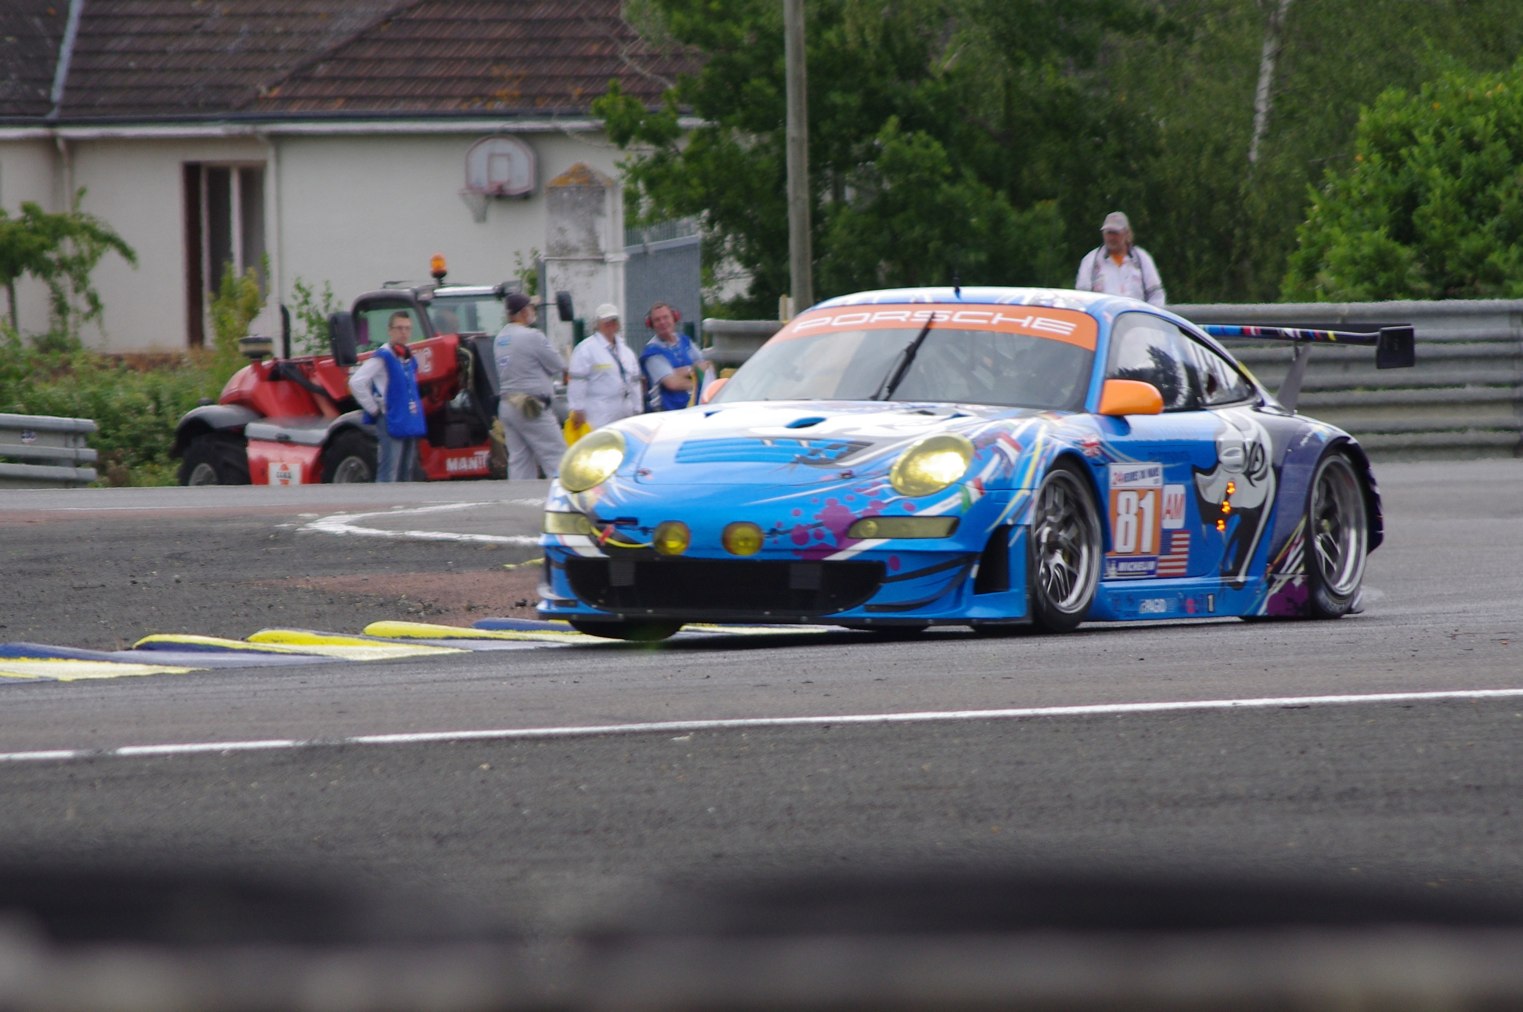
point(292, 421)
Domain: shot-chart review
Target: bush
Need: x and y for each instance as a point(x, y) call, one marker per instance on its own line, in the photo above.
point(135, 405)
point(1431, 207)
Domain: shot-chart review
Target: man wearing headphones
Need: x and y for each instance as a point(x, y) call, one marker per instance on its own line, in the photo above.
point(386, 388)
point(670, 362)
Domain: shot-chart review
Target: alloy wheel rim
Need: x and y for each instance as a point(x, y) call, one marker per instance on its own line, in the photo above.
point(1338, 528)
point(1065, 545)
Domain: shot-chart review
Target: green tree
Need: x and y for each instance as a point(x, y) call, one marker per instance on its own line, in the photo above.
point(948, 138)
point(60, 250)
point(1432, 205)
point(1221, 226)
point(310, 310)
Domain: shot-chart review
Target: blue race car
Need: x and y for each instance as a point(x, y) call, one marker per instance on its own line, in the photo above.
point(989, 457)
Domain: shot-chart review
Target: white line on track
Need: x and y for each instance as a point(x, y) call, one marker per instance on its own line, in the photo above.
point(689, 726)
point(350, 523)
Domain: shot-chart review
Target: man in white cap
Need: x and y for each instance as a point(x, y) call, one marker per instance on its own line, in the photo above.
point(604, 376)
point(1120, 266)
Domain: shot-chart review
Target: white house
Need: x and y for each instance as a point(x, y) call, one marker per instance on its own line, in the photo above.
point(345, 140)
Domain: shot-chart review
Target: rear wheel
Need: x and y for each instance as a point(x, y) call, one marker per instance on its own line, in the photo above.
point(350, 458)
point(647, 631)
point(1063, 553)
point(1337, 537)
point(215, 459)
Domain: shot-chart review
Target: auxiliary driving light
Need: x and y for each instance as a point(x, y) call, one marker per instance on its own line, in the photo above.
point(566, 523)
point(741, 538)
point(672, 537)
point(931, 464)
point(870, 528)
point(592, 459)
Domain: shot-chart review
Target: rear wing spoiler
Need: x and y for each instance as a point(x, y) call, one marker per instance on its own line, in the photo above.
point(1395, 347)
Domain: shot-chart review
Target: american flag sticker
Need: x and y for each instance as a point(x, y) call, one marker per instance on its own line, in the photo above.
point(1176, 561)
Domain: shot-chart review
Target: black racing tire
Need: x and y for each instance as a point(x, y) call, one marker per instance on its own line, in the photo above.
point(350, 458)
point(640, 631)
point(1063, 550)
point(215, 458)
point(1337, 537)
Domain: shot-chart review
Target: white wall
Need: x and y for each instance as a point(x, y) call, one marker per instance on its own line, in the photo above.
point(358, 211)
point(349, 210)
point(29, 171)
point(136, 186)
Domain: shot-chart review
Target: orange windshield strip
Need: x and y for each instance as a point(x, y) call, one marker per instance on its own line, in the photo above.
point(1034, 321)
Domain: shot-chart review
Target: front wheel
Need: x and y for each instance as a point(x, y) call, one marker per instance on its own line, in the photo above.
point(215, 459)
point(350, 458)
point(1337, 537)
point(648, 631)
point(1063, 550)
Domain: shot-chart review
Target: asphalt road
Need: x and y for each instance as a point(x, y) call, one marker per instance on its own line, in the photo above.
point(101, 568)
point(553, 790)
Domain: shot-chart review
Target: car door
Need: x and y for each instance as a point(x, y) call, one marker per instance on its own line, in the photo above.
point(1162, 520)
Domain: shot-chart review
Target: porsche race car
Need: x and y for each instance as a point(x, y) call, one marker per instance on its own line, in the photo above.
point(1000, 458)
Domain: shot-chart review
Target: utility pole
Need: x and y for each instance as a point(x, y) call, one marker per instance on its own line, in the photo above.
point(800, 249)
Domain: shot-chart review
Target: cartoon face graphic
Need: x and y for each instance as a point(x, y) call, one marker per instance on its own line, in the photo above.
point(1238, 491)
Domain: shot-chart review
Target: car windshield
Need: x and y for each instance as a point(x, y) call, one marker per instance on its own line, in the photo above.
point(951, 364)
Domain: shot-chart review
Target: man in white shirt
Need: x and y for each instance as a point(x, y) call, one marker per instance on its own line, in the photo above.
point(1119, 266)
point(604, 375)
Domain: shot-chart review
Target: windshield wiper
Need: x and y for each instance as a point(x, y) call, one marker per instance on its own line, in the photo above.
point(906, 357)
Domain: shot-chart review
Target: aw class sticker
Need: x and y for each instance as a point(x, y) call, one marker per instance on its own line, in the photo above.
point(1147, 520)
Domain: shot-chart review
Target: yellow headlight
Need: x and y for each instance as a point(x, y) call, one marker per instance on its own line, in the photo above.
point(741, 538)
point(592, 460)
point(931, 464)
point(672, 537)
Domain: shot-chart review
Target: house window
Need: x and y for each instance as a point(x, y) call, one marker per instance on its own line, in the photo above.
point(224, 227)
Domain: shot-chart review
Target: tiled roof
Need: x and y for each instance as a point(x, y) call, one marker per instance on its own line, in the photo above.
point(152, 60)
point(30, 33)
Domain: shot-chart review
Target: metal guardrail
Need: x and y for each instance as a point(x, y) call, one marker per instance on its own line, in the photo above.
point(1464, 398)
point(42, 451)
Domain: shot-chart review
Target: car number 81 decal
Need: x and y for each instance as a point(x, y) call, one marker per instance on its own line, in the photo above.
point(1147, 519)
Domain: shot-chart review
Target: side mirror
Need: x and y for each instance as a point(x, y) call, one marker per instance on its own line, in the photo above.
point(563, 306)
point(1120, 397)
point(341, 339)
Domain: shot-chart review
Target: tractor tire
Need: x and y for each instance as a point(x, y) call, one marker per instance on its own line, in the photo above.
point(214, 458)
point(350, 458)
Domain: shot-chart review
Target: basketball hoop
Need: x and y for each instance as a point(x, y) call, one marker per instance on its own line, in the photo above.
point(477, 202)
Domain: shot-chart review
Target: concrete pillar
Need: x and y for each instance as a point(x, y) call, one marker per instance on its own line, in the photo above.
point(583, 245)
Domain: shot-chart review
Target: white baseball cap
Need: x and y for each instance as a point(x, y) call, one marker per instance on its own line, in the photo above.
point(607, 311)
point(1115, 222)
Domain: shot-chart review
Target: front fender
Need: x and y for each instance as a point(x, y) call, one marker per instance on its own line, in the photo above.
point(230, 418)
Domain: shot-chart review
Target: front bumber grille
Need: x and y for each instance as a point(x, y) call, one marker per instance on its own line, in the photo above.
point(719, 588)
